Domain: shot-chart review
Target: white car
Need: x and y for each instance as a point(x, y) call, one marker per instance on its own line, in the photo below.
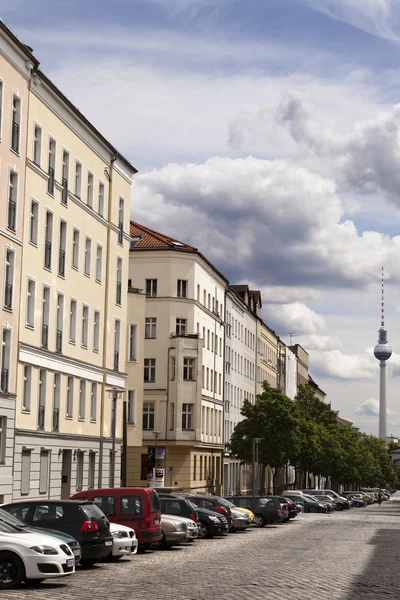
point(31, 557)
point(125, 541)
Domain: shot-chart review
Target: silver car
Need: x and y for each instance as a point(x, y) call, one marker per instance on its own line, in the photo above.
point(174, 530)
point(240, 521)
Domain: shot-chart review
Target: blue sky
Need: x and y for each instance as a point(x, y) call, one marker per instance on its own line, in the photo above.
point(265, 133)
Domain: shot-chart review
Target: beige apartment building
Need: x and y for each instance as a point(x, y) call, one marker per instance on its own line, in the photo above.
point(67, 361)
point(16, 66)
point(182, 413)
point(267, 356)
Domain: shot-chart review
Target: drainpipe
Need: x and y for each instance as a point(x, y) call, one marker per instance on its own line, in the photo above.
point(108, 173)
point(167, 404)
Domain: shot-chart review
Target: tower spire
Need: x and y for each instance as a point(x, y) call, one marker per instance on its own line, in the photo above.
point(383, 300)
point(382, 352)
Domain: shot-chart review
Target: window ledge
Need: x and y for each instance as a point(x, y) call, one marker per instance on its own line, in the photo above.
point(69, 417)
point(96, 350)
point(9, 310)
point(99, 281)
point(47, 269)
point(81, 419)
point(28, 326)
point(50, 194)
point(133, 360)
point(61, 276)
point(33, 243)
point(84, 346)
point(72, 342)
point(93, 420)
point(16, 152)
point(26, 411)
point(75, 267)
point(87, 275)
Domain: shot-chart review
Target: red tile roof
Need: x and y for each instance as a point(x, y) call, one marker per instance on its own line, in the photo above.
point(154, 239)
point(240, 288)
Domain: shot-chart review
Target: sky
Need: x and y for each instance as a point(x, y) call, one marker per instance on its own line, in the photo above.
point(267, 134)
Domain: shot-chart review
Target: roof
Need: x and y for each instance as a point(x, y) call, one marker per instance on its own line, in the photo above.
point(314, 384)
point(240, 288)
point(154, 239)
point(344, 421)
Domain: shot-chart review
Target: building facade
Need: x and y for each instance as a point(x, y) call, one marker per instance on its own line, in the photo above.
point(267, 356)
point(69, 191)
point(183, 362)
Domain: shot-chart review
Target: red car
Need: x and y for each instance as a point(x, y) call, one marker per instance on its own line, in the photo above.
point(134, 507)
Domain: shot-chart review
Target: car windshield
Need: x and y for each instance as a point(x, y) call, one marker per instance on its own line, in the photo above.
point(5, 517)
point(310, 498)
point(192, 506)
point(6, 528)
point(92, 511)
point(224, 502)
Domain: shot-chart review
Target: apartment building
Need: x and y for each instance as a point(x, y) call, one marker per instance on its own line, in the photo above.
point(240, 375)
point(302, 361)
point(267, 356)
point(182, 416)
point(16, 66)
point(66, 258)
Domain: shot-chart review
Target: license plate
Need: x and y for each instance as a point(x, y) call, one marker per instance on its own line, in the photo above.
point(108, 543)
point(77, 552)
point(156, 521)
point(71, 562)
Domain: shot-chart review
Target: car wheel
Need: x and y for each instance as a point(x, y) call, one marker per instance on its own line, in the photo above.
point(286, 520)
point(33, 582)
point(142, 548)
point(204, 530)
point(12, 570)
point(339, 507)
point(88, 562)
point(313, 509)
point(259, 521)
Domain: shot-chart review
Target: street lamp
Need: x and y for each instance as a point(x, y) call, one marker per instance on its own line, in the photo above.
point(256, 441)
point(115, 393)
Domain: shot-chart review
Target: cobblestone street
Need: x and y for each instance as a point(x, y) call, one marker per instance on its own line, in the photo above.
point(348, 555)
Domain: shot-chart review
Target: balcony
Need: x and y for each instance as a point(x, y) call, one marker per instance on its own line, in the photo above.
point(4, 381)
point(64, 191)
point(58, 340)
point(47, 255)
point(119, 292)
point(116, 361)
point(175, 334)
point(8, 294)
point(15, 136)
point(50, 181)
point(45, 336)
point(11, 216)
point(40, 417)
point(56, 419)
point(61, 262)
point(120, 232)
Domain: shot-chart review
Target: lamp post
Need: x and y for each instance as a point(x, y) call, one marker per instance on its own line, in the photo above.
point(256, 441)
point(115, 394)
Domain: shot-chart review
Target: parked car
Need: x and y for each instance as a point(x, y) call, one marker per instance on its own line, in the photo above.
point(81, 519)
point(328, 501)
point(210, 523)
point(125, 541)
point(284, 508)
point(8, 518)
point(309, 505)
point(266, 509)
point(213, 503)
point(31, 557)
point(340, 501)
point(174, 531)
point(172, 504)
point(357, 499)
point(247, 511)
point(293, 512)
point(134, 507)
point(240, 521)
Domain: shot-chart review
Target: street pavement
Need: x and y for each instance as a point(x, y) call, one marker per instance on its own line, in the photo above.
point(350, 555)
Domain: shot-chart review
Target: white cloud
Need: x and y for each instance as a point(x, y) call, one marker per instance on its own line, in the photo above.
point(368, 408)
point(295, 318)
point(334, 363)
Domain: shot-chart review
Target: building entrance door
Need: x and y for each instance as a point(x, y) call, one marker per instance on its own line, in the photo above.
point(66, 475)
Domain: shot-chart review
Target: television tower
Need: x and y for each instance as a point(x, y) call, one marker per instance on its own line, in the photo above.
point(382, 352)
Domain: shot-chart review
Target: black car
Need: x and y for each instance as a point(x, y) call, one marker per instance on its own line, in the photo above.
point(266, 509)
point(293, 512)
point(310, 506)
point(172, 504)
point(81, 519)
point(210, 523)
point(213, 503)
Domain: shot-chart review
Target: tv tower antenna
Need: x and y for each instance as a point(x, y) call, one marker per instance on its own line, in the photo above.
point(382, 352)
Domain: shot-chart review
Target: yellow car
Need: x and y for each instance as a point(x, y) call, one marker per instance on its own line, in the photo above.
point(245, 510)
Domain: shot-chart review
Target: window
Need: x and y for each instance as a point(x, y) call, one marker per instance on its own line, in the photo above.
point(27, 388)
point(52, 166)
point(34, 223)
point(173, 367)
point(150, 369)
point(151, 287)
point(70, 397)
point(75, 249)
point(99, 263)
point(30, 303)
point(42, 398)
point(198, 293)
point(93, 403)
point(9, 279)
point(181, 290)
point(65, 176)
point(133, 342)
point(131, 505)
point(85, 326)
point(82, 400)
point(37, 145)
point(148, 415)
point(56, 401)
point(45, 316)
point(72, 321)
point(48, 240)
point(78, 179)
point(117, 334)
point(187, 416)
point(88, 255)
point(90, 183)
point(195, 467)
point(92, 469)
point(180, 326)
point(172, 426)
point(131, 407)
point(61, 252)
point(25, 472)
point(44, 471)
point(208, 339)
point(101, 199)
point(118, 298)
point(121, 221)
point(150, 331)
point(59, 322)
point(96, 331)
point(16, 123)
point(1, 109)
point(12, 200)
point(79, 470)
point(204, 337)
point(188, 369)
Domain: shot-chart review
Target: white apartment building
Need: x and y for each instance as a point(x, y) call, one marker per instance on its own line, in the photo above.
point(183, 359)
point(240, 370)
point(71, 192)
